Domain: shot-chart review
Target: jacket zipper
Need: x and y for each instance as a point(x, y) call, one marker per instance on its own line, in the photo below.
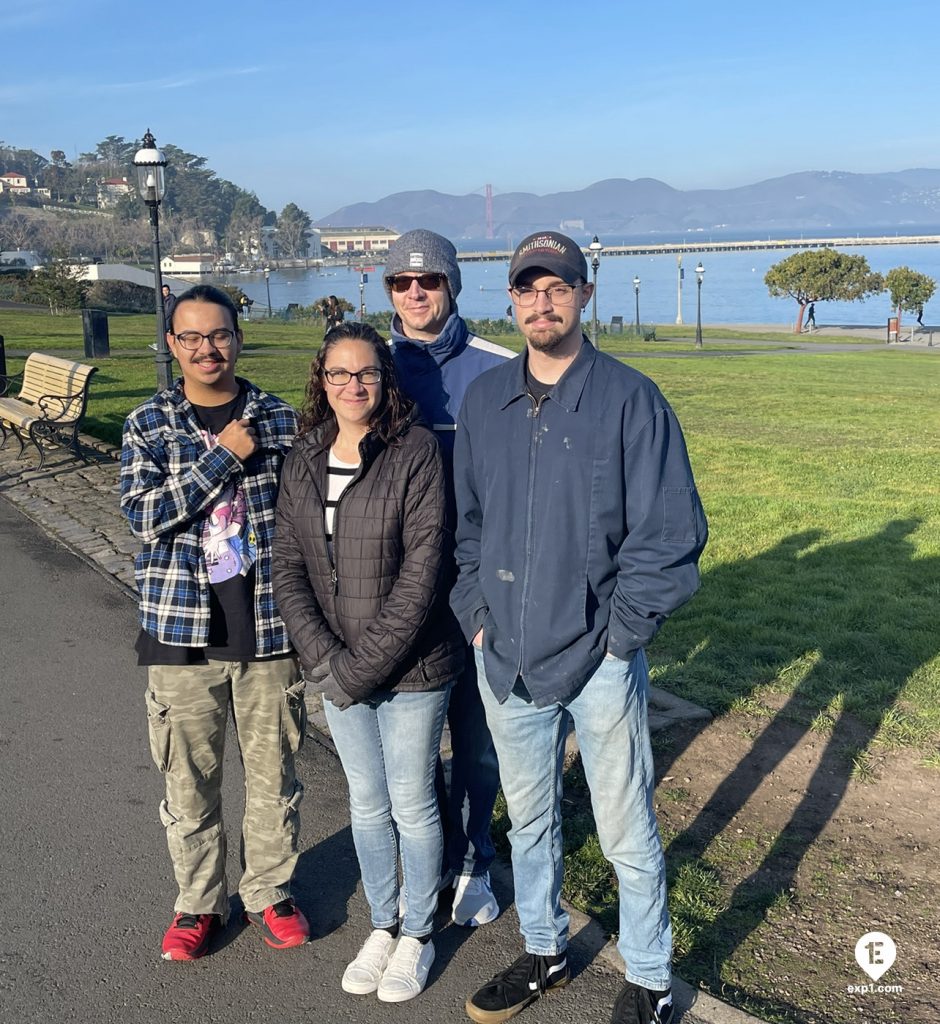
point(334, 576)
point(530, 498)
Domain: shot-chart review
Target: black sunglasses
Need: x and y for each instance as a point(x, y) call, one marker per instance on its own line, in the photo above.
point(400, 283)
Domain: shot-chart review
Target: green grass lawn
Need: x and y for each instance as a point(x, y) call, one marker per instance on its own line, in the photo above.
point(822, 576)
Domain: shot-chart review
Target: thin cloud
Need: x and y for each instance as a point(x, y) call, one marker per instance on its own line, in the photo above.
point(175, 83)
point(26, 93)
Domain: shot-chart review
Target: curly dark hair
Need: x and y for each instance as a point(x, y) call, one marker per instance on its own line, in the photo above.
point(393, 412)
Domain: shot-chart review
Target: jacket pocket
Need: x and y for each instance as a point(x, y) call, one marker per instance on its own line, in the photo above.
point(680, 522)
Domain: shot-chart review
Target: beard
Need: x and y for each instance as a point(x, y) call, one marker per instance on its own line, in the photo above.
point(546, 339)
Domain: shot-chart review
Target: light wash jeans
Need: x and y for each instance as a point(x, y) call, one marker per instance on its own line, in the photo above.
point(609, 714)
point(388, 749)
point(467, 803)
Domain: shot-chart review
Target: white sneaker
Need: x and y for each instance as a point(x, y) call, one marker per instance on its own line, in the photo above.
point(363, 975)
point(474, 902)
point(407, 971)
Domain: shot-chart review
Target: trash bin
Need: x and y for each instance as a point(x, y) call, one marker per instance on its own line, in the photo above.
point(95, 329)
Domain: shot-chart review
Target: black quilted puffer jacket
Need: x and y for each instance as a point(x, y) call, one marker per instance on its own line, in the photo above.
point(378, 609)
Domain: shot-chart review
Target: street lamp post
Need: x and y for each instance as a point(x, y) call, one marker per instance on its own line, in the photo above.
point(679, 276)
point(595, 248)
point(267, 284)
point(151, 184)
point(636, 291)
point(699, 274)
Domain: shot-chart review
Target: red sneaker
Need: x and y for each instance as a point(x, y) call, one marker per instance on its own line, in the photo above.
point(282, 925)
point(188, 936)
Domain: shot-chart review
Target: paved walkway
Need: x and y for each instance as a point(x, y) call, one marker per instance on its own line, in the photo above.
point(78, 505)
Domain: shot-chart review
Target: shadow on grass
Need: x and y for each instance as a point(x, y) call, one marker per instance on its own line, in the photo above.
point(839, 628)
point(844, 626)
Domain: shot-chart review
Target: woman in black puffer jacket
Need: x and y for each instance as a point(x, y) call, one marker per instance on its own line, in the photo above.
point(360, 555)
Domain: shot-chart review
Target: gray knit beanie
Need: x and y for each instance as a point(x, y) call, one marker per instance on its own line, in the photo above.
point(423, 251)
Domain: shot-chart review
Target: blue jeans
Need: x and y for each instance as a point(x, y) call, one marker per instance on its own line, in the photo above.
point(388, 749)
point(467, 803)
point(609, 714)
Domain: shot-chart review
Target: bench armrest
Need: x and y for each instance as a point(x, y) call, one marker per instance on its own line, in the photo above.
point(6, 380)
point(61, 407)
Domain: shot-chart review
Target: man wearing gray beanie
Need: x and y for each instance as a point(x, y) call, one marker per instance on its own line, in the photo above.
point(437, 358)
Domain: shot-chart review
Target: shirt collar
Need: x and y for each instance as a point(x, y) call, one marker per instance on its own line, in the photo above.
point(567, 391)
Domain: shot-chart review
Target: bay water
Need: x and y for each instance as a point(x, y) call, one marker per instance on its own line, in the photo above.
point(733, 289)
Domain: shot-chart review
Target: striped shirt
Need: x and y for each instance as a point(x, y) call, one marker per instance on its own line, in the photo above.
point(338, 477)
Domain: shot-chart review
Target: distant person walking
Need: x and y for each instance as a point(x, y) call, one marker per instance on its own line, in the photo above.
point(333, 314)
point(810, 318)
point(920, 315)
point(169, 303)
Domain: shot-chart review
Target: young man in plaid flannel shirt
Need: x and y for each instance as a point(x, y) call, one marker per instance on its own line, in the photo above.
point(199, 478)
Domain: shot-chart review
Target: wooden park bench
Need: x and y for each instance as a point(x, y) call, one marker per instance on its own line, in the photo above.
point(50, 406)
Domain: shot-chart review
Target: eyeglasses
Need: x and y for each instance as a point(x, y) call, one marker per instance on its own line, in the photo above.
point(426, 282)
point(370, 375)
point(193, 339)
point(557, 294)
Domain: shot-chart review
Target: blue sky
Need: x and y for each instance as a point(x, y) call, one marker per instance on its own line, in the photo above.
point(328, 104)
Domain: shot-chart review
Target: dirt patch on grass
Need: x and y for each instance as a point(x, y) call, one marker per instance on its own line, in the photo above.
point(786, 845)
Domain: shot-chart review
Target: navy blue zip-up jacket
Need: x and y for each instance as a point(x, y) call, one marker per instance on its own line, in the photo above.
point(436, 375)
point(579, 526)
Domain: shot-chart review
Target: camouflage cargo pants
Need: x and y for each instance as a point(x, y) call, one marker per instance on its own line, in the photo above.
point(187, 712)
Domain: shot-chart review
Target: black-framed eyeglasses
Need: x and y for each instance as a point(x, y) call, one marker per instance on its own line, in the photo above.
point(370, 375)
point(400, 283)
point(558, 294)
point(191, 340)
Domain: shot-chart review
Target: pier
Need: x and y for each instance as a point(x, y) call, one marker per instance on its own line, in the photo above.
point(681, 248)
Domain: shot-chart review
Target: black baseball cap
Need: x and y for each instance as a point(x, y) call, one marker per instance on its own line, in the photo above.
point(551, 251)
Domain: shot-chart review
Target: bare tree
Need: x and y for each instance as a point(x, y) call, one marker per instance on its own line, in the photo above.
point(18, 231)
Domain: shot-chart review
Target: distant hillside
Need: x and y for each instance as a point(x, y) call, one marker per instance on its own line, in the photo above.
point(811, 201)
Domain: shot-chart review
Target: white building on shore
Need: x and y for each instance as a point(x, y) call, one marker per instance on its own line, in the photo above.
point(357, 240)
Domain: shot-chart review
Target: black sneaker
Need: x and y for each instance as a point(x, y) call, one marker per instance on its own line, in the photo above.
point(637, 1005)
point(513, 989)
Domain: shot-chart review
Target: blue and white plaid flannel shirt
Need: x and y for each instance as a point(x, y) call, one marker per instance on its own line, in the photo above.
point(169, 479)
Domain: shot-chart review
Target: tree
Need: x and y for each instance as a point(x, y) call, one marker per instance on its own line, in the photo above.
point(58, 285)
point(822, 275)
point(910, 290)
point(292, 227)
point(114, 156)
point(243, 233)
point(18, 231)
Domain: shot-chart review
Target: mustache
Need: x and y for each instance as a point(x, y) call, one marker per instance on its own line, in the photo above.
point(544, 316)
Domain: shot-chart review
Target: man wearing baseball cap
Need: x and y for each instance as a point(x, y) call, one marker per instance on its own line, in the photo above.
point(437, 357)
point(579, 530)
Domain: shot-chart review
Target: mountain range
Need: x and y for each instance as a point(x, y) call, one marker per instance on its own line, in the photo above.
point(810, 201)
